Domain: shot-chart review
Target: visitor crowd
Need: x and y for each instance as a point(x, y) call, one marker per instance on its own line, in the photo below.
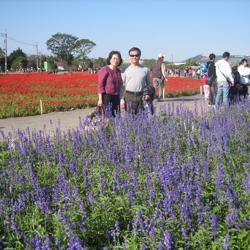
point(132, 90)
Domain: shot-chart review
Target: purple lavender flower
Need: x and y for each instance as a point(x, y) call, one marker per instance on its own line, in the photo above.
point(247, 183)
point(214, 223)
point(167, 240)
point(73, 166)
point(130, 196)
point(138, 222)
point(230, 218)
point(184, 232)
point(74, 243)
point(219, 177)
point(230, 197)
point(101, 183)
point(226, 242)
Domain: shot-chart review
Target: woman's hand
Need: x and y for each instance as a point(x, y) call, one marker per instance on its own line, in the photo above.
point(99, 103)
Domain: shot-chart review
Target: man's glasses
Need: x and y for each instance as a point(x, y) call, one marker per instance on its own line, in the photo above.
point(137, 55)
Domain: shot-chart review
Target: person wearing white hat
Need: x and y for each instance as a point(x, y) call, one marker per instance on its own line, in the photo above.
point(159, 75)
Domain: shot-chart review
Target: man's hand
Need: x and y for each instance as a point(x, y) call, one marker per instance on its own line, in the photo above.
point(147, 97)
point(122, 104)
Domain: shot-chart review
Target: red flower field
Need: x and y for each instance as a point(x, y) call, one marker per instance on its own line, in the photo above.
point(20, 94)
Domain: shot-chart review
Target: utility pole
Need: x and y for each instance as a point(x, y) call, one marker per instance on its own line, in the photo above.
point(37, 58)
point(5, 52)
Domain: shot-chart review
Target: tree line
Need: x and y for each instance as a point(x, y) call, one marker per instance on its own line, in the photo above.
point(68, 51)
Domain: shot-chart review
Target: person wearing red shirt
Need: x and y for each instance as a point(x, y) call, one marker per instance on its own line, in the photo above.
point(110, 83)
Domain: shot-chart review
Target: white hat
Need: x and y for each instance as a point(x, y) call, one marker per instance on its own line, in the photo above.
point(160, 55)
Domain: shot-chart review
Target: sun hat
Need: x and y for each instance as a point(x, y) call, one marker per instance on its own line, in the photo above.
point(160, 55)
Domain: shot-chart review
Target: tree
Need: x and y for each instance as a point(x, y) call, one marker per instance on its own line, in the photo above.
point(32, 61)
point(50, 63)
point(19, 63)
point(99, 62)
point(84, 63)
point(83, 48)
point(191, 62)
point(17, 59)
point(63, 46)
point(2, 60)
point(2, 54)
point(149, 63)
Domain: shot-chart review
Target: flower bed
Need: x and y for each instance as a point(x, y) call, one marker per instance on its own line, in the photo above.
point(20, 94)
point(182, 86)
point(161, 182)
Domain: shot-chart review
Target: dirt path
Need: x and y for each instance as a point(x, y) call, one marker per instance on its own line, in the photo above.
point(70, 119)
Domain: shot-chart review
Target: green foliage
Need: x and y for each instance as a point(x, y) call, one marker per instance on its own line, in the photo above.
point(191, 62)
point(99, 62)
point(65, 46)
point(17, 59)
point(149, 63)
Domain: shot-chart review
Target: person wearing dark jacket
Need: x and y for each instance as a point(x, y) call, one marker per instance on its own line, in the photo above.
point(211, 78)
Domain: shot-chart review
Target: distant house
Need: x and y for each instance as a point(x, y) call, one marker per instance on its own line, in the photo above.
point(179, 63)
point(64, 66)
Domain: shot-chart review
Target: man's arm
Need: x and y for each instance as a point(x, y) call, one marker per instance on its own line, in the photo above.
point(228, 71)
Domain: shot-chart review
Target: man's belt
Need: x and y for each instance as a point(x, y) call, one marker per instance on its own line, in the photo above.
point(134, 93)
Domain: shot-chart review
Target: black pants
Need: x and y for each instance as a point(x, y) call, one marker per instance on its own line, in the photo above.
point(212, 93)
point(111, 104)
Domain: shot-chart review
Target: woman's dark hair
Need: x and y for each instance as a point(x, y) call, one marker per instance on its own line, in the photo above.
point(114, 52)
point(243, 60)
point(135, 49)
point(212, 56)
point(226, 54)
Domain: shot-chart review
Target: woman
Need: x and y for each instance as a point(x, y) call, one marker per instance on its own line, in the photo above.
point(110, 83)
point(244, 72)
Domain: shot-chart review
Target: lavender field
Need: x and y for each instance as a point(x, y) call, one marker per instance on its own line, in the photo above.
point(178, 180)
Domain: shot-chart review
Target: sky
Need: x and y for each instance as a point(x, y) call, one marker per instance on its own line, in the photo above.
point(178, 28)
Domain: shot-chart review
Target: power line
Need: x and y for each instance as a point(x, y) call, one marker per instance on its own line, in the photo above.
point(17, 41)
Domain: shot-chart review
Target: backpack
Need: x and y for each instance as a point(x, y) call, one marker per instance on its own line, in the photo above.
point(149, 90)
point(236, 76)
point(203, 68)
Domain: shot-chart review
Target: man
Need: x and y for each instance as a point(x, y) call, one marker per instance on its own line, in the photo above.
point(211, 79)
point(159, 75)
point(224, 79)
point(136, 78)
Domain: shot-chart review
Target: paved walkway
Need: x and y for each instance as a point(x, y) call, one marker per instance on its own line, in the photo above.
point(70, 119)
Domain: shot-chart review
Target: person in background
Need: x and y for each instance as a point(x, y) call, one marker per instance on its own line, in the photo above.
point(224, 79)
point(109, 85)
point(135, 78)
point(211, 79)
point(159, 75)
point(244, 72)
